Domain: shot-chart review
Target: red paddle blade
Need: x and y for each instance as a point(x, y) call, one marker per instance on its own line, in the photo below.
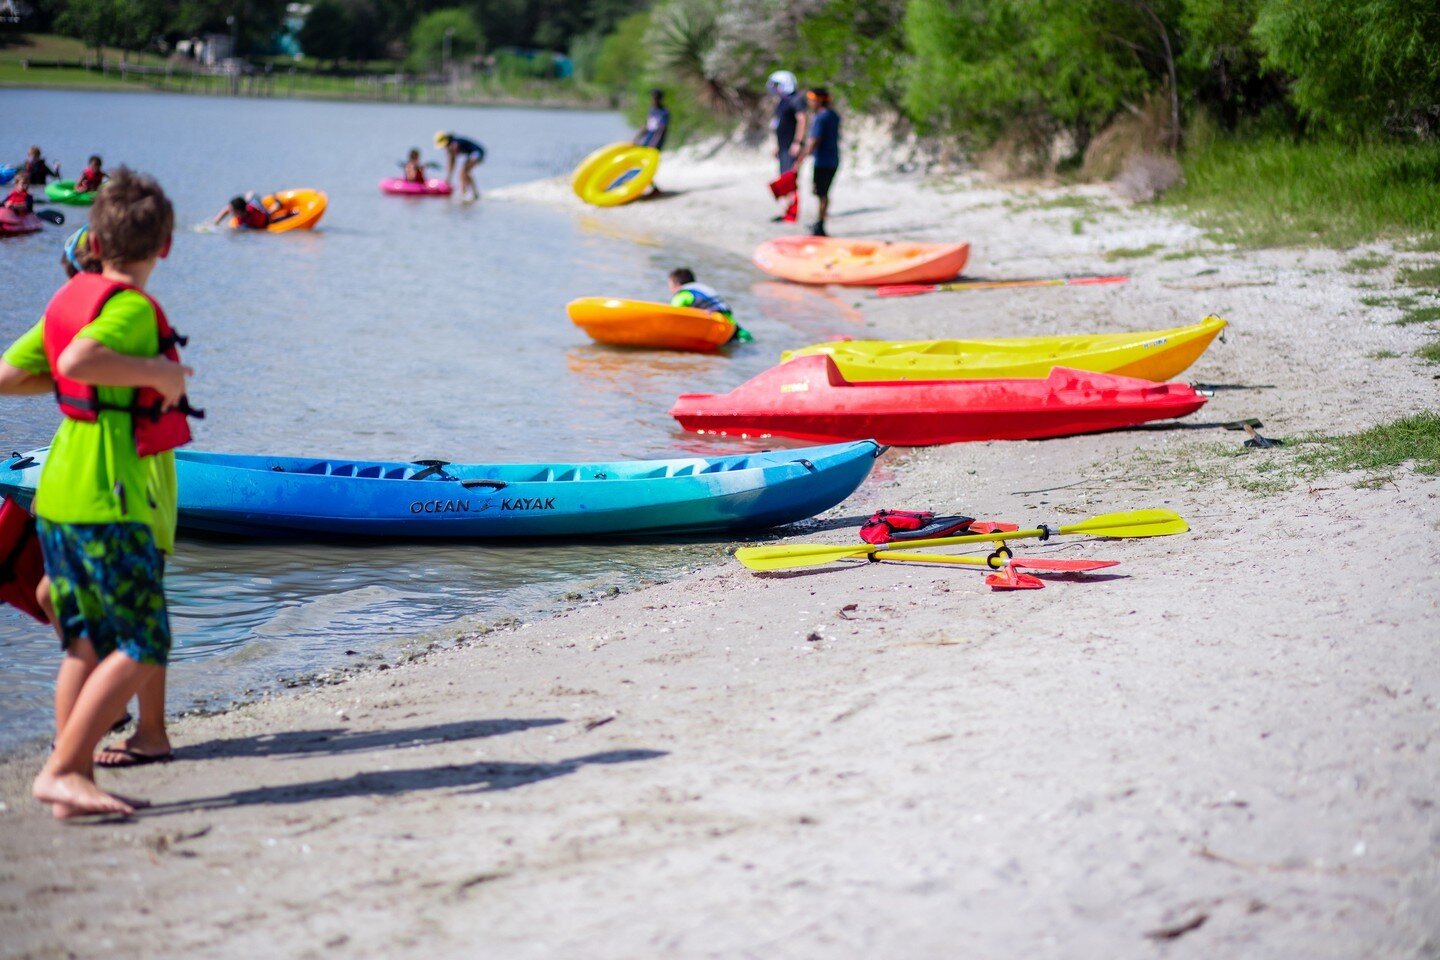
point(1012, 579)
point(1071, 566)
point(1080, 281)
point(905, 289)
point(992, 526)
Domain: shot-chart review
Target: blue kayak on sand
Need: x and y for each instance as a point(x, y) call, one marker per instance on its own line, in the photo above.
point(290, 496)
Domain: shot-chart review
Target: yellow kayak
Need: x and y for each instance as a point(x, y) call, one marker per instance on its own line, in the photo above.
point(1158, 355)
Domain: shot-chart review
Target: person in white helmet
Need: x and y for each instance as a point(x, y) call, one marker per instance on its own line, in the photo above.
point(789, 119)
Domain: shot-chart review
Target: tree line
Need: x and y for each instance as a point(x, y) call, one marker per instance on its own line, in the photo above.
point(978, 71)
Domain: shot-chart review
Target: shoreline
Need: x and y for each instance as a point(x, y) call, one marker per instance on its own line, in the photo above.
point(499, 102)
point(884, 760)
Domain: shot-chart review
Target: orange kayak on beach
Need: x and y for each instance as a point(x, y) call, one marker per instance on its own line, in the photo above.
point(640, 323)
point(858, 262)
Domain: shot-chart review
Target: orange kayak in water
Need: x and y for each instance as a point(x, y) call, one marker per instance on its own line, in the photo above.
point(640, 323)
point(858, 262)
point(300, 210)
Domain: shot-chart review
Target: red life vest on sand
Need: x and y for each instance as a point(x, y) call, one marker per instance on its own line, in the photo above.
point(77, 304)
point(21, 564)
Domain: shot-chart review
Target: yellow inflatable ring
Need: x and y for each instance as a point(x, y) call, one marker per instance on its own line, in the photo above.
point(615, 174)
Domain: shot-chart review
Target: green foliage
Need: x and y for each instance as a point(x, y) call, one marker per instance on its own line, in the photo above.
point(981, 66)
point(428, 38)
point(857, 47)
point(326, 33)
point(127, 24)
point(622, 54)
point(1430, 352)
point(1265, 190)
point(680, 37)
point(1358, 67)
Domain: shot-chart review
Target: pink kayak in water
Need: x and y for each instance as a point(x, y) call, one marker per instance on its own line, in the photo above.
point(13, 223)
point(408, 188)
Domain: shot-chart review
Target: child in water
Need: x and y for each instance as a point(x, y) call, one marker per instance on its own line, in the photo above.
point(250, 212)
point(414, 169)
point(92, 176)
point(686, 291)
point(19, 198)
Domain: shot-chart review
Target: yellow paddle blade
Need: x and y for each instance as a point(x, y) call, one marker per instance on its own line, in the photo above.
point(797, 555)
point(1134, 523)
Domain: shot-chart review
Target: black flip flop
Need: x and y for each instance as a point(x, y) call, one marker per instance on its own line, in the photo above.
point(134, 758)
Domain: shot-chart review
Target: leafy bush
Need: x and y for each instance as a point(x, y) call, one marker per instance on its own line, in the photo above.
point(427, 40)
point(1358, 67)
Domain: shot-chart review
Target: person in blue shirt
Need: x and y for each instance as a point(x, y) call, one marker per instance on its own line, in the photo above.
point(657, 125)
point(824, 146)
point(455, 148)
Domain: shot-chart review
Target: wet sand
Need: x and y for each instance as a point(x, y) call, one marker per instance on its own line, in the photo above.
point(1223, 746)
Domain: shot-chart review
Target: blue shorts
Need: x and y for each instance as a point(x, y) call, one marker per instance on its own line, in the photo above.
point(107, 584)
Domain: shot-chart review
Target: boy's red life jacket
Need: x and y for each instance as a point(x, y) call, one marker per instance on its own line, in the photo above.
point(19, 198)
point(77, 304)
point(89, 180)
point(21, 563)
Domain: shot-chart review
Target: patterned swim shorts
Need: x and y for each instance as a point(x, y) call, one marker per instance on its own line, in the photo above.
point(107, 584)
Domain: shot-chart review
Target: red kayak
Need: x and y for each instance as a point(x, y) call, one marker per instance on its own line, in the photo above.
point(808, 399)
point(13, 224)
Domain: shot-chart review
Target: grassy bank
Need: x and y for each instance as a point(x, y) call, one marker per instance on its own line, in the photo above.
point(54, 62)
point(1274, 191)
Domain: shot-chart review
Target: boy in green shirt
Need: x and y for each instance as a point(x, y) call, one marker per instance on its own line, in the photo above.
point(105, 512)
point(686, 291)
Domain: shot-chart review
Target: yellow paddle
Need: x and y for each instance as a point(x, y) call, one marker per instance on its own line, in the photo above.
point(1135, 523)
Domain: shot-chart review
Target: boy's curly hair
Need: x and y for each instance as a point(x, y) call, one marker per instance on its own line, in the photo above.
point(132, 219)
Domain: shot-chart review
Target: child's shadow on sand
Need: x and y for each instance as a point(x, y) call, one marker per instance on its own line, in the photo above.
point(482, 777)
point(299, 743)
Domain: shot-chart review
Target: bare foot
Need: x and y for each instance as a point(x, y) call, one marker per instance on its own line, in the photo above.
point(134, 752)
point(72, 795)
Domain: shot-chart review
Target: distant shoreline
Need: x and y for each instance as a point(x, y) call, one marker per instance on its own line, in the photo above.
point(520, 102)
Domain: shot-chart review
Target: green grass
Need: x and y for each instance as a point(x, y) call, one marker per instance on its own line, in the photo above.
point(1131, 253)
point(1426, 276)
point(1402, 302)
point(1382, 355)
point(1183, 254)
point(1366, 263)
point(1380, 449)
point(1419, 315)
point(1430, 353)
point(1272, 191)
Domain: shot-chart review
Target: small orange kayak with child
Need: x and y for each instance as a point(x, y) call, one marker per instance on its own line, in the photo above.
point(299, 210)
point(858, 262)
point(640, 323)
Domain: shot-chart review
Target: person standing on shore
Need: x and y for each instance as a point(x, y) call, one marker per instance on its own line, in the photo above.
point(657, 126)
point(106, 503)
point(788, 122)
point(823, 146)
point(456, 147)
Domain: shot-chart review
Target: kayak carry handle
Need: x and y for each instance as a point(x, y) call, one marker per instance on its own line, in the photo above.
point(493, 484)
point(432, 468)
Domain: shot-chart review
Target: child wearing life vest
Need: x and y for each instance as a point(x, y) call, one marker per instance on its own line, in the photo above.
point(414, 169)
point(686, 291)
point(251, 213)
point(37, 170)
point(91, 177)
point(105, 504)
point(19, 199)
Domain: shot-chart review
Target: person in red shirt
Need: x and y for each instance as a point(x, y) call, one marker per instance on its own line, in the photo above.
point(250, 213)
point(93, 175)
point(19, 198)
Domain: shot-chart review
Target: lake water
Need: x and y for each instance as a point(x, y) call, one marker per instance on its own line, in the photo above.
point(401, 329)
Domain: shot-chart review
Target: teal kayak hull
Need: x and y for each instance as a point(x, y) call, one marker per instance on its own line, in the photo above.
point(300, 496)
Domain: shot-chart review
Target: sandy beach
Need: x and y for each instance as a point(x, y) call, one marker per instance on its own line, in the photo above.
point(1221, 747)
